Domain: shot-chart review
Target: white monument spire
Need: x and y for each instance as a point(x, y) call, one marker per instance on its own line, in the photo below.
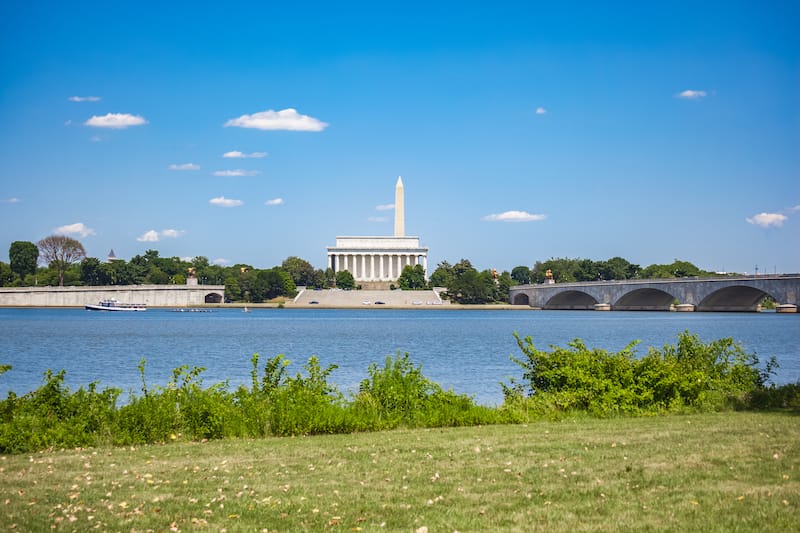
point(399, 209)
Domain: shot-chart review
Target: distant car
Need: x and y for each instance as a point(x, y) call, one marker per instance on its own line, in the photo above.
point(313, 302)
point(380, 303)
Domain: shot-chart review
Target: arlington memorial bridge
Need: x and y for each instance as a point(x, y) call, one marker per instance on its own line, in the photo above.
point(744, 294)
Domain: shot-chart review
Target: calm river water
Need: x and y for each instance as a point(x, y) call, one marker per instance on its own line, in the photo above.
point(465, 350)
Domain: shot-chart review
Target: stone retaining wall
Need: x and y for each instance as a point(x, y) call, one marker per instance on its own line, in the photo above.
point(152, 295)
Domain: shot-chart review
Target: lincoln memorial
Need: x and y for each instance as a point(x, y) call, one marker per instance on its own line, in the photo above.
point(375, 262)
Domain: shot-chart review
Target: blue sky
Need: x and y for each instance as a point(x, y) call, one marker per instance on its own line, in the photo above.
point(247, 132)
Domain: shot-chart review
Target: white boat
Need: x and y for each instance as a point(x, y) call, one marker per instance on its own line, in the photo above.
point(112, 304)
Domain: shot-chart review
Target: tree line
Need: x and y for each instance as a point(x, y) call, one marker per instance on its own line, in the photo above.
point(65, 262)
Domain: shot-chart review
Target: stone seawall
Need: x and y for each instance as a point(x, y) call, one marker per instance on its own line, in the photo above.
point(152, 295)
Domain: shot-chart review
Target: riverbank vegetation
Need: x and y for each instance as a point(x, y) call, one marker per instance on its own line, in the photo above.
point(689, 376)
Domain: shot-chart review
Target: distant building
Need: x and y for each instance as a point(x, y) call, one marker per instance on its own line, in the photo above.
point(112, 256)
point(376, 262)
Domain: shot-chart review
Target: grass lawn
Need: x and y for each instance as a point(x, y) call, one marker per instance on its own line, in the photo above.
point(719, 472)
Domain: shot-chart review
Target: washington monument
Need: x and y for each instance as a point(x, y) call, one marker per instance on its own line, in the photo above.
point(376, 262)
point(399, 209)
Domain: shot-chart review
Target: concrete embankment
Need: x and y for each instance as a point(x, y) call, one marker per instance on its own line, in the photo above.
point(151, 295)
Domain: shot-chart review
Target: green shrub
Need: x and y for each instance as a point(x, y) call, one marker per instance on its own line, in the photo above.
point(182, 408)
point(52, 416)
point(688, 375)
point(399, 394)
point(305, 405)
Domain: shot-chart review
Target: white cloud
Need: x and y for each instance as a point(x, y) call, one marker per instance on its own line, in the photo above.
point(541, 111)
point(149, 236)
point(286, 119)
point(514, 216)
point(84, 98)
point(795, 208)
point(384, 207)
point(11, 200)
point(155, 236)
point(221, 261)
point(116, 121)
point(689, 94)
point(221, 201)
point(79, 228)
point(236, 154)
point(377, 219)
point(274, 201)
point(237, 172)
point(184, 166)
point(766, 220)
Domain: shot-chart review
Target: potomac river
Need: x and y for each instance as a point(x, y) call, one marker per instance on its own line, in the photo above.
point(466, 350)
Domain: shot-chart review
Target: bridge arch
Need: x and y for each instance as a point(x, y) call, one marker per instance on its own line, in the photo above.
point(213, 298)
point(645, 299)
point(735, 298)
point(521, 299)
point(571, 300)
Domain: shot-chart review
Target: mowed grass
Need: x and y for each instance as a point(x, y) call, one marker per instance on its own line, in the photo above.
point(730, 471)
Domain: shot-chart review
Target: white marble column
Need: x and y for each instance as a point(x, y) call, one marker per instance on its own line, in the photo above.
point(372, 267)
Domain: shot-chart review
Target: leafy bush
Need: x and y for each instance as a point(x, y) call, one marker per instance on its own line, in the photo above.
point(689, 375)
point(306, 405)
point(52, 416)
point(399, 394)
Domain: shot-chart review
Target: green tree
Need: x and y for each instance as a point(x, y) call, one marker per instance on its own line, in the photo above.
point(412, 278)
point(233, 290)
point(119, 272)
point(320, 279)
point(23, 257)
point(267, 284)
point(6, 275)
point(620, 268)
point(289, 287)
point(60, 252)
point(469, 286)
point(156, 276)
point(330, 278)
point(215, 274)
point(93, 273)
point(503, 282)
point(443, 275)
point(300, 270)
point(345, 280)
point(521, 274)
point(676, 269)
